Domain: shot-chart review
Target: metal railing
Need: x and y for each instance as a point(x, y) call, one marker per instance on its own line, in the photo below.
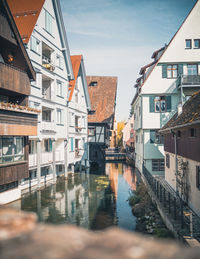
point(185, 221)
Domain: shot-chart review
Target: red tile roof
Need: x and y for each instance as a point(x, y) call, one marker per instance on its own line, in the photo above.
point(25, 13)
point(76, 62)
point(102, 97)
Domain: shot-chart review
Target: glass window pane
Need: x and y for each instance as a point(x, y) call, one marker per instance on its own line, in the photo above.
point(163, 106)
point(188, 44)
point(157, 106)
point(8, 146)
point(19, 146)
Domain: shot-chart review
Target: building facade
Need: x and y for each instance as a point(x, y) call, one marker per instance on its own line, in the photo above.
point(165, 83)
point(17, 120)
point(129, 135)
point(42, 30)
point(182, 149)
point(78, 108)
point(102, 92)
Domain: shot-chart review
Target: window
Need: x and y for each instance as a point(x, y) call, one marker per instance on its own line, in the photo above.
point(48, 22)
point(32, 146)
point(35, 44)
point(158, 165)
point(72, 144)
point(11, 149)
point(198, 177)
point(160, 103)
point(193, 132)
point(59, 89)
point(192, 69)
point(179, 134)
point(131, 125)
point(93, 83)
point(91, 131)
point(155, 137)
point(8, 186)
point(46, 115)
point(188, 44)
point(48, 145)
point(45, 171)
point(83, 122)
point(197, 43)
point(83, 143)
point(59, 116)
point(131, 135)
point(59, 61)
point(32, 174)
point(172, 71)
point(71, 119)
point(167, 161)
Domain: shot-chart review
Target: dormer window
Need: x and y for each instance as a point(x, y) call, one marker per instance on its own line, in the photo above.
point(93, 83)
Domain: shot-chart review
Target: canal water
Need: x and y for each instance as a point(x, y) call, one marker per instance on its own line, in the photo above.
point(88, 200)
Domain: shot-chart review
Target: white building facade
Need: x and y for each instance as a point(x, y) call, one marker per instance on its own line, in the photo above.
point(49, 53)
point(78, 106)
point(164, 84)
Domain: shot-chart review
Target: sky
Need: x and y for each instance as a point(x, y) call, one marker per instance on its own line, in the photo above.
point(118, 37)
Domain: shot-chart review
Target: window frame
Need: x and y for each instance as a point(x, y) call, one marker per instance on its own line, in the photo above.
point(159, 100)
point(196, 65)
point(160, 165)
point(59, 116)
point(171, 70)
point(197, 40)
point(36, 45)
point(193, 132)
point(188, 40)
point(59, 88)
point(48, 22)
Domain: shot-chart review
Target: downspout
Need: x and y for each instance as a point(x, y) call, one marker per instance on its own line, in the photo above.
point(176, 160)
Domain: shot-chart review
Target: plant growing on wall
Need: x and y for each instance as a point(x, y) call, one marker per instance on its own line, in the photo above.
point(182, 179)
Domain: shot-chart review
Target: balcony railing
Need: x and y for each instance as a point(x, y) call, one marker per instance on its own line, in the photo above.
point(13, 79)
point(189, 80)
point(78, 129)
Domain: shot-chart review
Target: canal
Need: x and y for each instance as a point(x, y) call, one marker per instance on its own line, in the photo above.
point(88, 200)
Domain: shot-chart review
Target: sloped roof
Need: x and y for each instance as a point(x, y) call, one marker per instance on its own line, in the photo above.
point(102, 97)
point(76, 62)
point(25, 13)
point(26, 63)
point(190, 114)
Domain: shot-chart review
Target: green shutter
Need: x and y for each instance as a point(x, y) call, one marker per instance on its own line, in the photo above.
point(168, 103)
point(180, 69)
point(50, 145)
point(151, 104)
point(72, 144)
point(152, 136)
point(164, 71)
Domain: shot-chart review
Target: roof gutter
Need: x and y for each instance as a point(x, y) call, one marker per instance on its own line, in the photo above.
point(180, 126)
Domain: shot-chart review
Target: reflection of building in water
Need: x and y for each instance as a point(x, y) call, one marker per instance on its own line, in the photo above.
point(112, 171)
point(130, 177)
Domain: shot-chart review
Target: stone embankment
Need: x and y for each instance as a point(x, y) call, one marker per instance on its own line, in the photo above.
point(149, 220)
point(22, 237)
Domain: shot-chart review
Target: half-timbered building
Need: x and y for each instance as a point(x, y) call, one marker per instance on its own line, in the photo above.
point(102, 92)
point(17, 119)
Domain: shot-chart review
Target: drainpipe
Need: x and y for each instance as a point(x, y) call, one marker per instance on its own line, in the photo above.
point(54, 159)
point(176, 161)
point(38, 163)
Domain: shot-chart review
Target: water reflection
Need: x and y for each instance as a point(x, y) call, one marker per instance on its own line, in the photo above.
point(87, 200)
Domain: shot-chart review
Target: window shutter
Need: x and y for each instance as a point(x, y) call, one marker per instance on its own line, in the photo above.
point(50, 145)
point(72, 144)
point(180, 69)
point(197, 177)
point(164, 71)
point(168, 103)
point(151, 104)
point(152, 136)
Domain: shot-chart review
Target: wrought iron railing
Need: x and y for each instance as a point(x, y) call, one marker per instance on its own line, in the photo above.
point(185, 221)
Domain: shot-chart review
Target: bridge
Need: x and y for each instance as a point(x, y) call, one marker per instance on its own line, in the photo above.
point(115, 156)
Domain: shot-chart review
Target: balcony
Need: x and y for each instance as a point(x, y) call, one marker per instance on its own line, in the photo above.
point(78, 129)
point(48, 126)
point(189, 81)
point(14, 79)
point(17, 120)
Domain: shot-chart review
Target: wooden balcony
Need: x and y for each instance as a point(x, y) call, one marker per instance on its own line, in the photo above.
point(17, 123)
point(5, 31)
point(14, 79)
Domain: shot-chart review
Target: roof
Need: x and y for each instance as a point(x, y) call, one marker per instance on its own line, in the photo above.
point(23, 53)
point(102, 97)
point(25, 14)
point(190, 114)
point(76, 63)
